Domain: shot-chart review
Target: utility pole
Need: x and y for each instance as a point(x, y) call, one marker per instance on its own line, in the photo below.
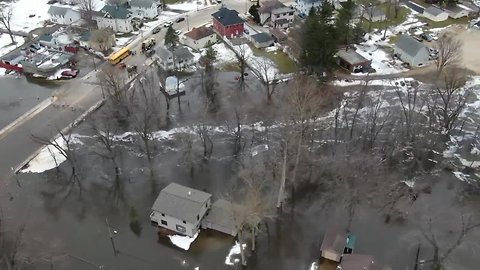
point(115, 252)
point(188, 25)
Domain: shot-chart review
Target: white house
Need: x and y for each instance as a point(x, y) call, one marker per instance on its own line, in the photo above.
point(411, 51)
point(144, 8)
point(435, 14)
point(180, 209)
point(199, 37)
point(117, 18)
point(276, 14)
point(177, 58)
point(304, 6)
point(63, 15)
point(457, 12)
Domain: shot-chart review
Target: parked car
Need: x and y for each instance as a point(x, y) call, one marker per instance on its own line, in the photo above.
point(150, 53)
point(52, 2)
point(71, 73)
point(167, 24)
point(181, 19)
point(219, 1)
point(426, 37)
point(156, 30)
point(246, 31)
point(178, 32)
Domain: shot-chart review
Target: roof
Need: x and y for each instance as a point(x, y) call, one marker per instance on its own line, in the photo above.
point(56, 10)
point(142, 3)
point(181, 202)
point(334, 239)
point(281, 21)
point(351, 56)
point(358, 262)
point(227, 17)
point(221, 214)
point(182, 53)
point(268, 6)
point(433, 10)
point(117, 12)
point(455, 9)
point(46, 37)
point(278, 34)
point(409, 45)
point(163, 52)
point(262, 37)
point(199, 33)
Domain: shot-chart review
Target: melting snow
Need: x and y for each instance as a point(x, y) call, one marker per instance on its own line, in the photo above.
point(182, 242)
point(234, 251)
point(48, 158)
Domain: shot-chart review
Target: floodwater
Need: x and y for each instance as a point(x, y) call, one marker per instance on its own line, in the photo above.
point(69, 230)
point(18, 95)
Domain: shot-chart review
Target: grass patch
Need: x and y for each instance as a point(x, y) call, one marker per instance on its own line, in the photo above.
point(393, 39)
point(230, 66)
point(172, 1)
point(403, 12)
point(284, 63)
point(447, 22)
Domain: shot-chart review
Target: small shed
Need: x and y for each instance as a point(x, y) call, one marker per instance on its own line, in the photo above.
point(262, 40)
point(180, 209)
point(220, 218)
point(435, 14)
point(358, 262)
point(456, 12)
point(333, 243)
point(348, 58)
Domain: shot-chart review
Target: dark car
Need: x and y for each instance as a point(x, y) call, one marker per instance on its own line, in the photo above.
point(150, 53)
point(181, 19)
point(426, 37)
point(52, 2)
point(156, 30)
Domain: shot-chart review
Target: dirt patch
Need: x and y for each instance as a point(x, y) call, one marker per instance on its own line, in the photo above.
point(470, 39)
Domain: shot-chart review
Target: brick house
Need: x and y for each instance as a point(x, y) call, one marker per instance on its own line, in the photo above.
point(227, 23)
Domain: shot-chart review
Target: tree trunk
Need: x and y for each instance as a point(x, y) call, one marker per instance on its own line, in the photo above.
point(253, 238)
point(281, 191)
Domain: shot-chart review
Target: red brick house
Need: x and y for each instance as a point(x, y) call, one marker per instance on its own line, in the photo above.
point(227, 23)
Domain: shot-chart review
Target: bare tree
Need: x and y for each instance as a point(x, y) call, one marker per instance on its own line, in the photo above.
point(113, 84)
point(441, 251)
point(203, 132)
point(6, 13)
point(9, 248)
point(409, 105)
point(268, 77)
point(242, 58)
point(449, 52)
point(102, 39)
point(87, 7)
point(104, 135)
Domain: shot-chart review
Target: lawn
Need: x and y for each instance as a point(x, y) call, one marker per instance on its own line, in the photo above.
point(284, 63)
point(447, 22)
point(391, 20)
point(172, 1)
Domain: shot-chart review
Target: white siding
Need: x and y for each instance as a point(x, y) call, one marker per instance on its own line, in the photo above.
point(438, 18)
point(117, 25)
point(70, 17)
point(201, 43)
point(140, 12)
point(420, 59)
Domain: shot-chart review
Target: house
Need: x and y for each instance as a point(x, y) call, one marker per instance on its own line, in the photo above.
point(276, 14)
point(358, 262)
point(411, 51)
point(304, 6)
point(180, 209)
point(63, 15)
point(456, 12)
point(174, 58)
point(374, 14)
point(144, 8)
point(227, 23)
point(348, 58)
point(278, 35)
point(220, 218)
point(199, 37)
point(435, 14)
point(333, 243)
point(118, 18)
point(261, 40)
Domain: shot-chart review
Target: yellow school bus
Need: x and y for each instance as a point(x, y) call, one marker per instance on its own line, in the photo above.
point(119, 55)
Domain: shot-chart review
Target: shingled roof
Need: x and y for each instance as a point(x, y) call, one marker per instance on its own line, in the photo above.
point(409, 45)
point(56, 10)
point(227, 17)
point(116, 12)
point(199, 33)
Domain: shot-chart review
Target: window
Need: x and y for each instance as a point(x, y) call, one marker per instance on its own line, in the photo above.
point(164, 222)
point(180, 228)
point(198, 217)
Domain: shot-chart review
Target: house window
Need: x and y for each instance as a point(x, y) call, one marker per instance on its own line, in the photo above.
point(180, 228)
point(164, 222)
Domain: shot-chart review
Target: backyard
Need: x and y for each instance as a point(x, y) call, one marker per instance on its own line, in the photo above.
point(284, 63)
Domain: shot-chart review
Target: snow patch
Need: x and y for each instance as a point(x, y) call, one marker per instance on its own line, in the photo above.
point(235, 250)
point(181, 241)
point(313, 266)
point(48, 158)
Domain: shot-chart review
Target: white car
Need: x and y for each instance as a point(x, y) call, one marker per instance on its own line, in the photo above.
point(167, 24)
point(178, 32)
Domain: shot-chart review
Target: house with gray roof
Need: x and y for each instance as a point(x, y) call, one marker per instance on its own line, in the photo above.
point(435, 14)
point(348, 58)
point(276, 14)
point(144, 8)
point(180, 209)
point(63, 15)
point(456, 12)
point(116, 17)
point(174, 58)
point(411, 51)
point(262, 40)
point(220, 218)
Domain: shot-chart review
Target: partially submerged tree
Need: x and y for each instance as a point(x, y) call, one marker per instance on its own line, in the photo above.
point(113, 84)
point(268, 76)
point(102, 39)
point(449, 52)
point(6, 13)
point(242, 58)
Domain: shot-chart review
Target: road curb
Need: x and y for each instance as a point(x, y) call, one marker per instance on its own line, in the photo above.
point(75, 123)
point(26, 116)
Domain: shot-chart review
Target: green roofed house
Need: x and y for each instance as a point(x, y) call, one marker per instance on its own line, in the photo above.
point(118, 18)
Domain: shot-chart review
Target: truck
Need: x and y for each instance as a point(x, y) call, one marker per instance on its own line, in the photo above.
point(148, 44)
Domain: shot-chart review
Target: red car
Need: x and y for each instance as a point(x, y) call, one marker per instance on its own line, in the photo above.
point(72, 73)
